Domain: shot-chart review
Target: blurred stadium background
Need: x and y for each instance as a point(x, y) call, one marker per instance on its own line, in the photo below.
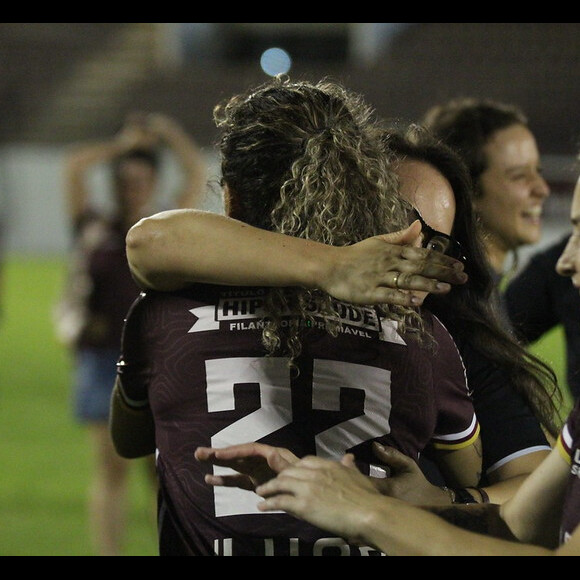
point(66, 82)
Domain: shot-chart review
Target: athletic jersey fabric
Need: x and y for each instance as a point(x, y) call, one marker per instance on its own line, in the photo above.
point(113, 289)
point(569, 445)
point(197, 357)
point(509, 429)
point(100, 289)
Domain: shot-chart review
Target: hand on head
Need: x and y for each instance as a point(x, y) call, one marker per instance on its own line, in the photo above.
point(391, 268)
point(136, 132)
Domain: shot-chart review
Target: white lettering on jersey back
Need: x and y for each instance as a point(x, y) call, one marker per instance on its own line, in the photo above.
point(272, 377)
point(376, 384)
point(206, 319)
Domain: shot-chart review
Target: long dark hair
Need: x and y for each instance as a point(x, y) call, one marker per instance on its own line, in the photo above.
point(472, 311)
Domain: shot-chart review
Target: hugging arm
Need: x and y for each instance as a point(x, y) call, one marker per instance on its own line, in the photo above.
point(176, 248)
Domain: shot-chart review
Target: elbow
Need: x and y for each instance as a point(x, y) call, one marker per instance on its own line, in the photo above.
point(140, 237)
point(144, 247)
point(154, 247)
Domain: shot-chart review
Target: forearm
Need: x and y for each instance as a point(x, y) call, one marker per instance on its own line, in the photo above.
point(473, 530)
point(78, 163)
point(194, 169)
point(501, 491)
point(175, 248)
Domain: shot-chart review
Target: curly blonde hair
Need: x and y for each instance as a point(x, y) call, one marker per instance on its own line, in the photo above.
point(306, 159)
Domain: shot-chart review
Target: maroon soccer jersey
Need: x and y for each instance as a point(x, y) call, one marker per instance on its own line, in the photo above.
point(569, 445)
point(197, 357)
point(110, 288)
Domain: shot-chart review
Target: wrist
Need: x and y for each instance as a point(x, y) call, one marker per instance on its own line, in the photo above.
point(479, 493)
point(466, 495)
point(369, 527)
point(318, 265)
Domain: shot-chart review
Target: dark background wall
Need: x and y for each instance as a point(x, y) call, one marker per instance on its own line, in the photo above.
point(66, 82)
point(409, 68)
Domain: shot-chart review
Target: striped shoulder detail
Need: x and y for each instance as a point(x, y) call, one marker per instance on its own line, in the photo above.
point(564, 444)
point(459, 440)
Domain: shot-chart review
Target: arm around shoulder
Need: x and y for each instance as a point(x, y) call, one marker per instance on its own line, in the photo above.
point(177, 248)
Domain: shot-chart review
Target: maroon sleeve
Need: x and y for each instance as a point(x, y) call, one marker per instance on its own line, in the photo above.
point(457, 424)
point(133, 368)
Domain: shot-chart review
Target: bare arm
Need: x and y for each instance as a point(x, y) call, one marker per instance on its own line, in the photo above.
point(188, 155)
point(176, 248)
point(461, 467)
point(408, 482)
point(505, 480)
point(78, 164)
point(345, 502)
point(534, 512)
point(83, 157)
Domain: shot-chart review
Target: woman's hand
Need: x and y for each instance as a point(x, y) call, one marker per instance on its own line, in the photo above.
point(328, 494)
point(255, 463)
point(406, 481)
point(390, 269)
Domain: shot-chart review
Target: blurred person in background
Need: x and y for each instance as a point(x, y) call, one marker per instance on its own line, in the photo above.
point(3, 233)
point(100, 289)
point(501, 153)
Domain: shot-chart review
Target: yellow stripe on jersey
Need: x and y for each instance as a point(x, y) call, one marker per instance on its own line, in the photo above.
point(563, 443)
point(448, 445)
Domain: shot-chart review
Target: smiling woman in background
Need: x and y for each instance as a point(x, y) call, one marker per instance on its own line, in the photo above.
point(495, 141)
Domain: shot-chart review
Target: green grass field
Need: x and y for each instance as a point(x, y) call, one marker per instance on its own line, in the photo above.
point(45, 466)
point(44, 462)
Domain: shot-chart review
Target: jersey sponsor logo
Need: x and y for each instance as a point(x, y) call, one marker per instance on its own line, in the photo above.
point(240, 313)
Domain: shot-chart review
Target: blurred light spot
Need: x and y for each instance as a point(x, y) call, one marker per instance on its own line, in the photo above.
point(275, 61)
